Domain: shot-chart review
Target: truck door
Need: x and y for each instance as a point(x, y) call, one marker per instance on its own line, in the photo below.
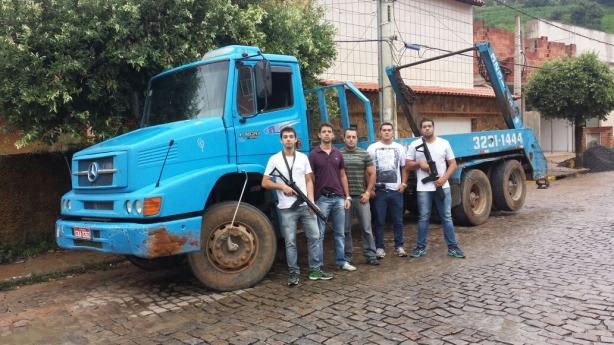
point(258, 121)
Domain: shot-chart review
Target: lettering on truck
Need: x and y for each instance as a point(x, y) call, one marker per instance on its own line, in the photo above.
point(496, 140)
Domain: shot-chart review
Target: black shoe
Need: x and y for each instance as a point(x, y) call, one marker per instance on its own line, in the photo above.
point(372, 262)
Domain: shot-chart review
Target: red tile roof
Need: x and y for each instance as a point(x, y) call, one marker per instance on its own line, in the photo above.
point(478, 91)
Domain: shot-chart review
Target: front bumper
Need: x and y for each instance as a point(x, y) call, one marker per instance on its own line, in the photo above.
point(142, 240)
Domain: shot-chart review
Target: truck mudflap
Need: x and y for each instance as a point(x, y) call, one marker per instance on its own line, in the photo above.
point(142, 240)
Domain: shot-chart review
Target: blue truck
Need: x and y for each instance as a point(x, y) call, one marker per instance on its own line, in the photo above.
point(186, 185)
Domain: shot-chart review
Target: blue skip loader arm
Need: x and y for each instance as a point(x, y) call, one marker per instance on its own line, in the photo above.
point(345, 117)
point(474, 148)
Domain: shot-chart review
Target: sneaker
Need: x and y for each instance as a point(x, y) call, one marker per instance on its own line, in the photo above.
point(400, 252)
point(380, 253)
point(418, 252)
point(346, 266)
point(372, 262)
point(455, 252)
point(293, 278)
point(320, 275)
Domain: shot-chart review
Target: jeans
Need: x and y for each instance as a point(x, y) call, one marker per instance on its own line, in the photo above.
point(392, 201)
point(333, 209)
point(425, 205)
point(289, 219)
point(363, 213)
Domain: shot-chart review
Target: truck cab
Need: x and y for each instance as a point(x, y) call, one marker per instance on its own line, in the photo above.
point(171, 189)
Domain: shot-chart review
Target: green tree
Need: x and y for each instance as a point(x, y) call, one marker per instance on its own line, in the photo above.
point(587, 14)
point(71, 65)
point(573, 89)
point(537, 3)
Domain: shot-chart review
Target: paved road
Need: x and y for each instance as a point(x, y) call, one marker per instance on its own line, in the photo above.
point(543, 275)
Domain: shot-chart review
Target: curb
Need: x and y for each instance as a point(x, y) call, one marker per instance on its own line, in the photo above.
point(33, 278)
point(567, 175)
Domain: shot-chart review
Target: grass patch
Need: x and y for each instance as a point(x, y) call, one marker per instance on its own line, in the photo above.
point(9, 251)
point(503, 17)
point(73, 270)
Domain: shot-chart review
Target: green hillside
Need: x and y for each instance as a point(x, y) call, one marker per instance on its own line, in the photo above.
point(503, 17)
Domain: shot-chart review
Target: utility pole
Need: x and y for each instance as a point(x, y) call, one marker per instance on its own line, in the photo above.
point(385, 33)
point(517, 67)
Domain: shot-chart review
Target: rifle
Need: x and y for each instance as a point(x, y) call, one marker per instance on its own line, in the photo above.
point(433, 176)
point(300, 196)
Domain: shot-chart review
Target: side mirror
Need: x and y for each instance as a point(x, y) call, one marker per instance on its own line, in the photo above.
point(264, 83)
point(136, 105)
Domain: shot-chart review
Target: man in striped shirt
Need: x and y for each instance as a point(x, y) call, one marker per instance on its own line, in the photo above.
point(357, 163)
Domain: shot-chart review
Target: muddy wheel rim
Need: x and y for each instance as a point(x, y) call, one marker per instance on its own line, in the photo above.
point(513, 187)
point(232, 261)
point(476, 200)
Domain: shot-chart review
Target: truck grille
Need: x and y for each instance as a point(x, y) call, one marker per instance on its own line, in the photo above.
point(95, 172)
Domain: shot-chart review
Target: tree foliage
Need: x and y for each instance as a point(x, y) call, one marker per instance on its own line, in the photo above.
point(587, 14)
point(573, 89)
point(71, 65)
point(537, 3)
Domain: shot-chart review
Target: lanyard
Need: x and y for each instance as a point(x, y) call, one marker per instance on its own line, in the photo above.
point(286, 161)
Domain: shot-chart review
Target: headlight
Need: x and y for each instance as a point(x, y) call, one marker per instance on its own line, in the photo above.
point(128, 206)
point(63, 204)
point(69, 205)
point(138, 206)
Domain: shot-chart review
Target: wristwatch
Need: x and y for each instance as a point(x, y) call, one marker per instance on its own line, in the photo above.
point(404, 185)
point(348, 198)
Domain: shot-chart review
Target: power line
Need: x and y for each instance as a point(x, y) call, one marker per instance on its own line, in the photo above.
point(549, 23)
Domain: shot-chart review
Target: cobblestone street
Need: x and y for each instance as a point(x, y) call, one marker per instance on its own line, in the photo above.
point(543, 275)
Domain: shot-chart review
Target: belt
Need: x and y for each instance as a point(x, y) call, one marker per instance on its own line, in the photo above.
point(328, 194)
point(385, 190)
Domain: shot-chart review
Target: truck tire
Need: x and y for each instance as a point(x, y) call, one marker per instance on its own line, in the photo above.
point(156, 264)
point(509, 185)
point(476, 199)
point(221, 269)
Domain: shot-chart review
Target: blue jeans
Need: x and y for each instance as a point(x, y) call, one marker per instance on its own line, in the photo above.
point(334, 211)
point(425, 205)
point(363, 213)
point(388, 201)
point(289, 218)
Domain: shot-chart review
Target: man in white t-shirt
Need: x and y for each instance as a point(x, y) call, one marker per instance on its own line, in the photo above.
point(390, 183)
point(294, 166)
point(442, 155)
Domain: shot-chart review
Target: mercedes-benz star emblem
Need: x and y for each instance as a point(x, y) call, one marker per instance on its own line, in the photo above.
point(92, 172)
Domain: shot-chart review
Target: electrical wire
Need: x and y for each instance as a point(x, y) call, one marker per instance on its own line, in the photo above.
point(549, 23)
point(354, 47)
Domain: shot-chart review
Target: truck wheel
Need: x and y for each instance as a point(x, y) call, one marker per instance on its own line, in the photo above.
point(222, 269)
point(156, 264)
point(509, 185)
point(476, 199)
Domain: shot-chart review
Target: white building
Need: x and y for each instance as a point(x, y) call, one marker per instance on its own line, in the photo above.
point(437, 26)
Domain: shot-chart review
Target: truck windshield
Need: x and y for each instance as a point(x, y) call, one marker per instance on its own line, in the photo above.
point(189, 93)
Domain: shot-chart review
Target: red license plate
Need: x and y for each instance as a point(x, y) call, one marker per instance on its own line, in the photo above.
point(82, 233)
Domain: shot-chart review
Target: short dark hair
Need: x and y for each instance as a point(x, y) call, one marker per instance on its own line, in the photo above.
point(426, 119)
point(350, 129)
point(386, 124)
point(326, 124)
point(287, 129)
